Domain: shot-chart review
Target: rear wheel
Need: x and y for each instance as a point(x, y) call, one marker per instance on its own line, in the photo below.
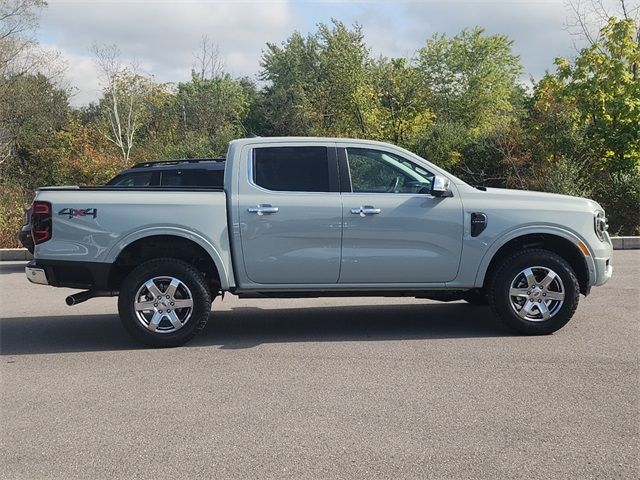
point(164, 302)
point(534, 292)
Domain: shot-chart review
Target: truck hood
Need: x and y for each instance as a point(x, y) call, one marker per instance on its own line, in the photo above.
point(543, 198)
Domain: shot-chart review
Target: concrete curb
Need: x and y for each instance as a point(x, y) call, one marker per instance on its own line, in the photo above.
point(16, 254)
point(13, 254)
point(626, 243)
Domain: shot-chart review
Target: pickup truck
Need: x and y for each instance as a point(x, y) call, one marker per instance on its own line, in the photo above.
point(310, 217)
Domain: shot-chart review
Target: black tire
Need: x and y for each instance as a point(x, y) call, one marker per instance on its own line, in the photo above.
point(506, 273)
point(476, 297)
point(196, 317)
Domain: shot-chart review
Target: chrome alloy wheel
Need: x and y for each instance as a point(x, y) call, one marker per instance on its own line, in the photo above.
point(536, 294)
point(163, 304)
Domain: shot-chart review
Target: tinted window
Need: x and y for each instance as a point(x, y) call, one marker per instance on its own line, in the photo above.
point(375, 171)
point(138, 179)
point(193, 178)
point(292, 169)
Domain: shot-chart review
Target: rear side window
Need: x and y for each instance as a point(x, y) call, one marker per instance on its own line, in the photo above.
point(292, 169)
point(193, 178)
point(138, 179)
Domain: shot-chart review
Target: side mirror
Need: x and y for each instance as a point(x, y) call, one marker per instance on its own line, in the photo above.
point(441, 187)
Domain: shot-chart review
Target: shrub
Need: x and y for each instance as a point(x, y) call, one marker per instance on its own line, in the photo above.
point(619, 195)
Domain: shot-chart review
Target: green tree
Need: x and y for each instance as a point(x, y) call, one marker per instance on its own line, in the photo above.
point(321, 85)
point(472, 79)
point(208, 105)
point(604, 85)
point(404, 111)
point(345, 95)
point(32, 111)
point(585, 124)
point(552, 124)
point(211, 112)
point(292, 72)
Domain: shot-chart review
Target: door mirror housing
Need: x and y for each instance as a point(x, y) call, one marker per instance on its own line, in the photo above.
point(441, 187)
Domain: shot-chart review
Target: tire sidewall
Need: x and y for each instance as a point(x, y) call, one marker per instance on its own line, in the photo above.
point(159, 268)
point(500, 298)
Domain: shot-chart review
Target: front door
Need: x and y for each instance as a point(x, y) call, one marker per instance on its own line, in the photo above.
point(290, 215)
point(395, 231)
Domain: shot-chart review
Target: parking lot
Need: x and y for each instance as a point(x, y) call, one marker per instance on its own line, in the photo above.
point(327, 388)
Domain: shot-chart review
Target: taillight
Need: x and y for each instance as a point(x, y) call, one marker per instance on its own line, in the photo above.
point(41, 228)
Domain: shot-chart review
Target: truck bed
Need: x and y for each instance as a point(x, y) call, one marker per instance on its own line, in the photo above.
point(94, 224)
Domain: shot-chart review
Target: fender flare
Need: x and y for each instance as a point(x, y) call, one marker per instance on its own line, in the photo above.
point(503, 239)
point(128, 239)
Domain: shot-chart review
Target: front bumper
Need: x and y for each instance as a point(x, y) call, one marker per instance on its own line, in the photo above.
point(602, 255)
point(604, 270)
point(36, 275)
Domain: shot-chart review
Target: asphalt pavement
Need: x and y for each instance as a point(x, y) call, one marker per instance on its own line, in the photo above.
point(326, 388)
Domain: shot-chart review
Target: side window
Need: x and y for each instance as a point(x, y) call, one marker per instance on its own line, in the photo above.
point(292, 169)
point(193, 178)
point(213, 178)
point(171, 178)
point(376, 171)
point(179, 178)
point(141, 179)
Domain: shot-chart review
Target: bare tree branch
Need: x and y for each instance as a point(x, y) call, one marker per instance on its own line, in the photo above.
point(208, 62)
point(18, 21)
point(123, 100)
point(588, 16)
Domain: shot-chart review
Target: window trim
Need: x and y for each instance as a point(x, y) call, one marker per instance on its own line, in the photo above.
point(332, 165)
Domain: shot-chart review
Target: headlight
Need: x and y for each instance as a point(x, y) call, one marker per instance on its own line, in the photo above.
point(601, 224)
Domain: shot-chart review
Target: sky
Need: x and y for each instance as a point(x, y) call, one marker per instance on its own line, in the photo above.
point(162, 36)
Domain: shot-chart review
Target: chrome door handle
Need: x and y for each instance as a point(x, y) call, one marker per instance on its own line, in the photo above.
point(366, 210)
point(263, 209)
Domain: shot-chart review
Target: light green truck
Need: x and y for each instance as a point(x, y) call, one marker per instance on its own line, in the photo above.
point(310, 217)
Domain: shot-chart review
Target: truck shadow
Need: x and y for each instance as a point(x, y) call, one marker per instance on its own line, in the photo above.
point(247, 327)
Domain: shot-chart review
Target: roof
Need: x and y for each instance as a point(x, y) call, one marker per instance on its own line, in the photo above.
point(244, 141)
point(207, 163)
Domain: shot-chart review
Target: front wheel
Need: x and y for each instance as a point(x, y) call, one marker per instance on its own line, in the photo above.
point(534, 292)
point(164, 302)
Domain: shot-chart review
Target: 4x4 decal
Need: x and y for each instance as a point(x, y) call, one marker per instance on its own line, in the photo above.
point(79, 212)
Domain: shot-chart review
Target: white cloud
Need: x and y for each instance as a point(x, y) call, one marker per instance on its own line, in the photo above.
point(82, 75)
point(162, 35)
point(537, 27)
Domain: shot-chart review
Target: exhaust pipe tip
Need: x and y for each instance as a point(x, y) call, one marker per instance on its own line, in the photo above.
point(80, 297)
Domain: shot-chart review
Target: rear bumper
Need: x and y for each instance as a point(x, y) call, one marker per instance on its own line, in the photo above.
point(36, 275)
point(82, 275)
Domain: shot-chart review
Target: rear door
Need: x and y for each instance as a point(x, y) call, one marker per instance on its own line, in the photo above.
point(290, 213)
point(395, 231)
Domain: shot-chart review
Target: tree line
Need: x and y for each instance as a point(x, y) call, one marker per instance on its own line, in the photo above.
point(459, 102)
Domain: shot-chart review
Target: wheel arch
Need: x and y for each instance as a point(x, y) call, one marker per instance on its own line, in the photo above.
point(172, 243)
point(559, 241)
